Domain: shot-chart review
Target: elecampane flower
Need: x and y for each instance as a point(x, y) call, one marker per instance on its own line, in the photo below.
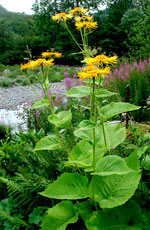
point(77, 11)
point(86, 25)
point(50, 54)
point(61, 17)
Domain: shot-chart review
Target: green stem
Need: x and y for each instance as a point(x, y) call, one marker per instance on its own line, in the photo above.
point(103, 128)
point(93, 135)
point(34, 90)
point(65, 147)
point(73, 37)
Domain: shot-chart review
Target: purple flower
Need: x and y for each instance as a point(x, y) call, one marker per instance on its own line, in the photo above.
point(79, 83)
point(68, 82)
point(49, 93)
point(126, 74)
point(37, 113)
point(115, 71)
point(135, 64)
point(28, 104)
point(75, 76)
point(66, 74)
point(72, 85)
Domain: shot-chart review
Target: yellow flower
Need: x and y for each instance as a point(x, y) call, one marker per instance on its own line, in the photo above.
point(39, 62)
point(100, 59)
point(82, 75)
point(92, 72)
point(77, 11)
point(61, 17)
point(86, 25)
point(83, 18)
point(90, 61)
point(57, 54)
point(88, 68)
point(104, 71)
point(111, 60)
point(48, 62)
point(50, 54)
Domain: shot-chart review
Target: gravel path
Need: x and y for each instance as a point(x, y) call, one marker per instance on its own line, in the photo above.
point(14, 96)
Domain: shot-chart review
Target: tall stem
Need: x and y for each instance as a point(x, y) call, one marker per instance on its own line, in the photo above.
point(73, 37)
point(103, 128)
point(93, 136)
point(65, 147)
point(35, 90)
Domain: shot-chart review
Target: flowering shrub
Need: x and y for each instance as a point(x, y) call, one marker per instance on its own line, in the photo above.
point(101, 183)
point(137, 77)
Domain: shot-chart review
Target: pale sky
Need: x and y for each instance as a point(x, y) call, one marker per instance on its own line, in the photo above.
point(18, 5)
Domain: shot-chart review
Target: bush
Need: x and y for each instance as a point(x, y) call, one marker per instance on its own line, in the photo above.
point(137, 77)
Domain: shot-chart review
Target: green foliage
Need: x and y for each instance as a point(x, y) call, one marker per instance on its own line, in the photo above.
point(113, 109)
point(60, 216)
point(78, 91)
point(132, 83)
point(61, 119)
point(127, 217)
point(50, 142)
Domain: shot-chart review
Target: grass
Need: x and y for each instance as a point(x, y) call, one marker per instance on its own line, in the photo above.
point(12, 75)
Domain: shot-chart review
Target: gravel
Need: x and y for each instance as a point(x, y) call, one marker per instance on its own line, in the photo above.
point(12, 97)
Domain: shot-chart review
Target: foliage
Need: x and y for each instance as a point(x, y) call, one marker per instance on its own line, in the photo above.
point(131, 81)
point(107, 181)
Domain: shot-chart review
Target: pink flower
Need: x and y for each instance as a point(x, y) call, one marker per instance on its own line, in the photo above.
point(68, 82)
point(37, 113)
point(66, 74)
point(75, 76)
point(127, 75)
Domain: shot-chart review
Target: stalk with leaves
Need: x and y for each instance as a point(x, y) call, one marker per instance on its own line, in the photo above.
point(100, 189)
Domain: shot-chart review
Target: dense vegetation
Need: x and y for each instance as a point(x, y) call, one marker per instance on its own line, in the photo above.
point(123, 29)
point(75, 168)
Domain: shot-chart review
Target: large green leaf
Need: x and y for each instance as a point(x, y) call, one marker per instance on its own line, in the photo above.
point(82, 154)
point(146, 163)
point(69, 186)
point(114, 190)
point(40, 104)
point(85, 209)
point(61, 120)
point(78, 91)
point(133, 161)
point(50, 142)
point(114, 135)
point(110, 165)
point(126, 217)
point(60, 216)
point(115, 108)
point(104, 93)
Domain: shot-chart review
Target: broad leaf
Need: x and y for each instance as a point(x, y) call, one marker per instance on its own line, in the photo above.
point(126, 217)
point(104, 93)
point(61, 120)
point(82, 154)
point(115, 108)
point(60, 216)
point(78, 91)
point(110, 165)
point(50, 142)
point(85, 209)
point(69, 186)
point(114, 190)
point(114, 135)
point(85, 124)
point(146, 163)
point(133, 161)
point(40, 104)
